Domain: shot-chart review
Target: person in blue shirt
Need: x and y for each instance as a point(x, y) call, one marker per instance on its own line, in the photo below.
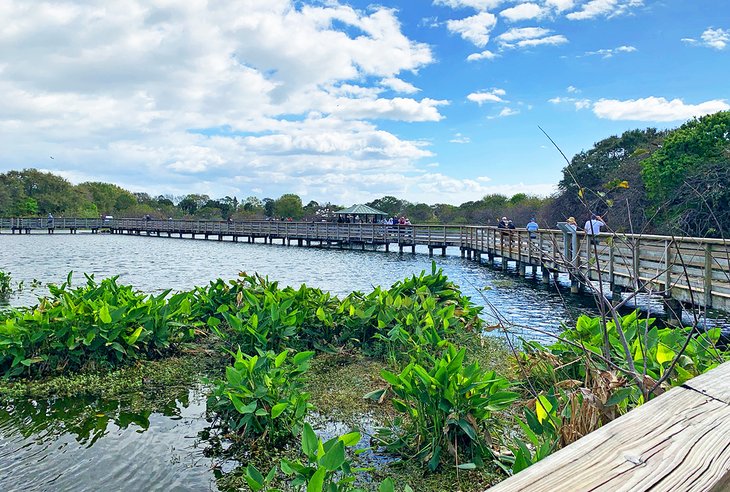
point(532, 227)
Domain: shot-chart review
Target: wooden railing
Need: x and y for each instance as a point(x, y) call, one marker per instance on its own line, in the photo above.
point(688, 269)
point(676, 442)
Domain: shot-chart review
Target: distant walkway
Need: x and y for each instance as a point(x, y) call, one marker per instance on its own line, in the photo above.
point(681, 269)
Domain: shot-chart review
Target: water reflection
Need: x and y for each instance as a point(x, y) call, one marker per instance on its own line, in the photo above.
point(95, 444)
point(86, 419)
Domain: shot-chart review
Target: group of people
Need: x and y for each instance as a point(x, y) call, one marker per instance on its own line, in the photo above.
point(592, 226)
point(397, 221)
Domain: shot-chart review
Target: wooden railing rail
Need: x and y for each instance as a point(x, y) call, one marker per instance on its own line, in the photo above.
point(676, 442)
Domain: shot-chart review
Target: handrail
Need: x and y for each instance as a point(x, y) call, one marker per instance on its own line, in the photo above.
point(677, 441)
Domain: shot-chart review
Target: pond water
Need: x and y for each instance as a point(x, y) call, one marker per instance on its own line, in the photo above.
point(112, 445)
point(154, 264)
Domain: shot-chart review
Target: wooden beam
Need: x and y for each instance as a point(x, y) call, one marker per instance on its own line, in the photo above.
point(676, 442)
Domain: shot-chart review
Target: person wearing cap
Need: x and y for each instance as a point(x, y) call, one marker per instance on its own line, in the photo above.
point(503, 223)
point(572, 223)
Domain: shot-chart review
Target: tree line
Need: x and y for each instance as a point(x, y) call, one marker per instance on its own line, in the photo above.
point(651, 181)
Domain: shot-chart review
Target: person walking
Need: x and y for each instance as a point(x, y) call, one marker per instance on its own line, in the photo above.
point(532, 227)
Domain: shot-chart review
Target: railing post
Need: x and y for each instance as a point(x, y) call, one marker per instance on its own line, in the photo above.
point(708, 276)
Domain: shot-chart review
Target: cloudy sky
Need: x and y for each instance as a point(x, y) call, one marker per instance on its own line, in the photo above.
point(428, 100)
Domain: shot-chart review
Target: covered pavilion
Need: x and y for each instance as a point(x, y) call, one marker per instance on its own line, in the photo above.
point(363, 212)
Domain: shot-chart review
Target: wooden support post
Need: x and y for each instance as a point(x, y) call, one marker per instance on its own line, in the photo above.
point(463, 252)
point(504, 264)
point(616, 294)
point(443, 251)
point(673, 308)
point(708, 276)
point(387, 247)
point(545, 275)
point(430, 251)
point(413, 248)
point(521, 268)
point(574, 285)
point(400, 248)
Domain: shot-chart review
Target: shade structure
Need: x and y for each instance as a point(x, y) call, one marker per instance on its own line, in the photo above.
point(361, 210)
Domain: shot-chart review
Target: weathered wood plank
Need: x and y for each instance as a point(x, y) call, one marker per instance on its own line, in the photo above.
point(676, 442)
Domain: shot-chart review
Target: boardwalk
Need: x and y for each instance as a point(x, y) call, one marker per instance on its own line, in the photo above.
point(676, 442)
point(681, 269)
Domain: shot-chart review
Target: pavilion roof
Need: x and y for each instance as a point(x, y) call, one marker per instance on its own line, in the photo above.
point(360, 210)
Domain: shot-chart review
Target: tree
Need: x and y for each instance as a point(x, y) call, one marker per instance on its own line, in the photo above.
point(390, 205)
point(191, 203)
point(269, 206)
point(289, 205)
point(682, 176)
point(106, 197)
point(607, 175)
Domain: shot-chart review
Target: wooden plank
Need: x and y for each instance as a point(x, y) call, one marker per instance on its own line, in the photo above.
point(677, 441)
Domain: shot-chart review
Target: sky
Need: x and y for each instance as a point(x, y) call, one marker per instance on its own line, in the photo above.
point(435, 101)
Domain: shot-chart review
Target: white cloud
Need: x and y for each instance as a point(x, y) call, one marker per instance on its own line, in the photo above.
point(508, 112)
point(655, 109)
point(483, 55)
point(458, 138)
point(523, 11)
point(712, 38)
point(474, 4)
point(609, 52)
point(526, 37)
point(493, 96)
point(516, 34)
point(195, 96)
point(604, 8)
point(716, 38)
point(475, 28)
point(578, 103)
point(399, 85)
point(560, 5)
point(572, 89)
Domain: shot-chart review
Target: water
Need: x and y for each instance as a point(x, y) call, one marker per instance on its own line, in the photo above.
point(92, 444)
point(112, 445)
point(154, 264)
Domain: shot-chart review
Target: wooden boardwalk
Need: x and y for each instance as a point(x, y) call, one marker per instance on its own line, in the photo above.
point(681, 269)
point(679, 441)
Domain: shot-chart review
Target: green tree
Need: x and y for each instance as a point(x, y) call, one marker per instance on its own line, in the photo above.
point(390, 205)
point(289, 205)
point(106, 197)
point(686, 178)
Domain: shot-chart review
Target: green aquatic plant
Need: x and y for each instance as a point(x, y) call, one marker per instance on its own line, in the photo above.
point(580, 351)
point(5, 284)
point(102, 324)
point(414, 315)
point(261, 397)
point(325, 467)
point(254, 313)
point(448, 407)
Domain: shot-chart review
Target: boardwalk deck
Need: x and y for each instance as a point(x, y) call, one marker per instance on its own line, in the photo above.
point(676, 442)
point(686, 269)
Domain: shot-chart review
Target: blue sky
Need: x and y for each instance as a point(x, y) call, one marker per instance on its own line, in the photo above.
point(432, 101)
